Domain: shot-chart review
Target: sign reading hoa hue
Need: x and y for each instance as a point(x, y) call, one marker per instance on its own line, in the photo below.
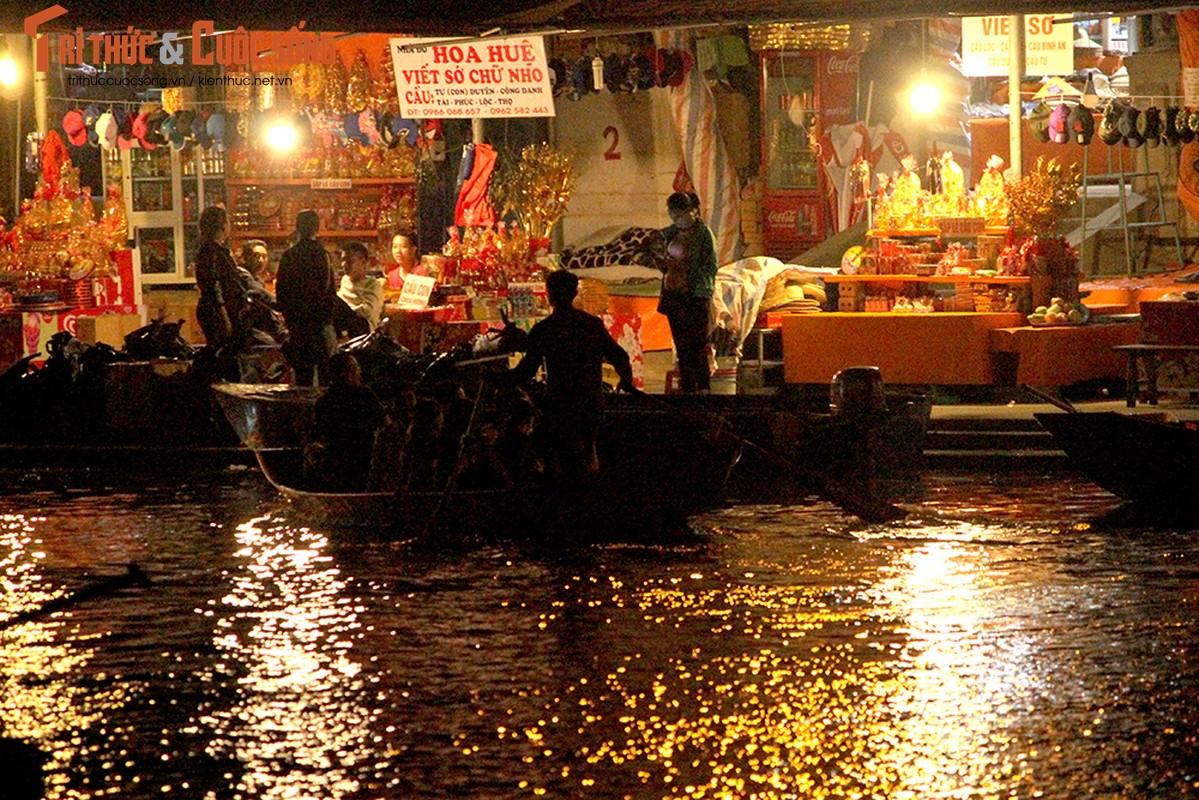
point(1048, 48)
point(436, 78)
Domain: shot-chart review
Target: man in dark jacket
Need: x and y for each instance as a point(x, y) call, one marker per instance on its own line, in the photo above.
point(306, 295)
point(573, 346)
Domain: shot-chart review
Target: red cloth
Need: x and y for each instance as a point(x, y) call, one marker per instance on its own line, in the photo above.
point(395, 278)
point(473, 197)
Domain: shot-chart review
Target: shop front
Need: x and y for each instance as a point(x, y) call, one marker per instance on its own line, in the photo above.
point(790, 135)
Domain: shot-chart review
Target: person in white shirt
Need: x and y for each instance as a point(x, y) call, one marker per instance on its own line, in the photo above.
point(361, 290)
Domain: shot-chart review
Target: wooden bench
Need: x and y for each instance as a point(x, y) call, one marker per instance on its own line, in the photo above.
point(1151, 355)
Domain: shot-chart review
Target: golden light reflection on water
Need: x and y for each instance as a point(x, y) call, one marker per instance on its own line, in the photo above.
point(878, 673)
point(43, 696)
point(300, 726)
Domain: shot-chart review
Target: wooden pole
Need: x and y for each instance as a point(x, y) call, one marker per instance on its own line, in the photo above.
point(1016, 110)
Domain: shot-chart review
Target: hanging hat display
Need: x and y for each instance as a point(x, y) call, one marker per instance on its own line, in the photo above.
point(1129, 126)
point(1081, 124)
point(140, 124)
point(1038, 121)
point(106, 130)
point(1058, 133)
point(90, 116)
point(644, 69)
point(154, 122)
point(1150, 126)
point(73, 127)
point(1170, 129)
point(1109, 126)
point(215, 127)
point(125, 137)
point(582, 81)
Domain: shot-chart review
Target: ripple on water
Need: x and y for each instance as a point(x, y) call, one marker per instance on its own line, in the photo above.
point(1002, 641)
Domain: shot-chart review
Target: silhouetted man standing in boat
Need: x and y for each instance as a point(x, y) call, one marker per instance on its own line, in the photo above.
point(573, 345)
point(305, 293)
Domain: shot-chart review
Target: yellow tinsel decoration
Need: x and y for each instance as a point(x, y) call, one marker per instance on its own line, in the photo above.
point(1040, 201)
point(538, 189)
point(358, 88)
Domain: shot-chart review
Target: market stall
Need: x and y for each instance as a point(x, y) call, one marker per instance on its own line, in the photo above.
point(63, 267)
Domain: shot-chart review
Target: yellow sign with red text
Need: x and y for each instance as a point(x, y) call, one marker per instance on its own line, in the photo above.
point(1048, 48)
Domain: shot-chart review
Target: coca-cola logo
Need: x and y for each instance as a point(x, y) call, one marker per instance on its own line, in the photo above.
point(783, 216)
point(843, 65)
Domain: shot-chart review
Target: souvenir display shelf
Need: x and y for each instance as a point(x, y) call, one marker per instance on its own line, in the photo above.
point(894, 285)
point(266, 208)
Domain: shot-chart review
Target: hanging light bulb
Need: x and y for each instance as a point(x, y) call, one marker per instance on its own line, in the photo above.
point(926, 96)
point(597, 73)
point(281, 135)
point(8, 70)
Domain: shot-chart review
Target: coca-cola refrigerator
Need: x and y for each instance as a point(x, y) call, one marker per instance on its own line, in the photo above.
point(802, 93)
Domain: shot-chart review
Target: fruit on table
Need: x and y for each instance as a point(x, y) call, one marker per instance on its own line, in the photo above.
point(1058, 312)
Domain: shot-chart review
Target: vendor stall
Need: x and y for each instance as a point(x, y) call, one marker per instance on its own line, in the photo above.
point(60, 264)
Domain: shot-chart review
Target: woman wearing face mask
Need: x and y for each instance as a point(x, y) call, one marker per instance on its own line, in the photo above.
point(689, 252)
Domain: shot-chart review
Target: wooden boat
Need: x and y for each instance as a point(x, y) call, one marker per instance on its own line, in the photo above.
point(662, 460)
point(1140, 457)
point(641, 485)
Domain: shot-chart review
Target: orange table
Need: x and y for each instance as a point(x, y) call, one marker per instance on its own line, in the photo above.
point(1059, 355)
point(941, 348)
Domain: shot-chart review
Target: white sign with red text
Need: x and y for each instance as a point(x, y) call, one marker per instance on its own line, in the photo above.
point(1048, 48)
point(437, 79)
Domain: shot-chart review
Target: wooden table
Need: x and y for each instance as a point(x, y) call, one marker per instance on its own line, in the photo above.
point(1059, 355)
point(1150, 355)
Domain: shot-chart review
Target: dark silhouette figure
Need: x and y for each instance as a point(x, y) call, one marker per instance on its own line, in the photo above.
point(306, 297)
point(572, 345)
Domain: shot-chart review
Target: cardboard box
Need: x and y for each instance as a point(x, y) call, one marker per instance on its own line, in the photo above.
point(109, 329)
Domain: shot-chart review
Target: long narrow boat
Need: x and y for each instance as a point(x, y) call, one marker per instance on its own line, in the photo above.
point(662, 460)
point(642, 483)
point(1138, 457)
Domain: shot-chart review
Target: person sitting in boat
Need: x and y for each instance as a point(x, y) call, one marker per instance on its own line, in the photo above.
point(348, 415)
point(572, 345)
point(391, 444)
point(517, 445)
point(422, 456)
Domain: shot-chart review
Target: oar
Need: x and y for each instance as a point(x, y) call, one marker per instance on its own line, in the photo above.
point(1063, 404)
point(133, 577)
point(868, 509)
point(452, 480)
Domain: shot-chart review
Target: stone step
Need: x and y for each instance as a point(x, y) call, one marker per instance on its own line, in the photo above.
point(984, 460)
point(989, 440)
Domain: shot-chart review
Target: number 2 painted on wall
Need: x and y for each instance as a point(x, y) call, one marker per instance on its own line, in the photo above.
point(612, 154)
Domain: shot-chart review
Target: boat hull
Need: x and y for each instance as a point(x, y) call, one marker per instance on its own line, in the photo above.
point(1135, 457)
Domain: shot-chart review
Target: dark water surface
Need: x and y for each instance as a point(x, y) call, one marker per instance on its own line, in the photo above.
point(1007, 642)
